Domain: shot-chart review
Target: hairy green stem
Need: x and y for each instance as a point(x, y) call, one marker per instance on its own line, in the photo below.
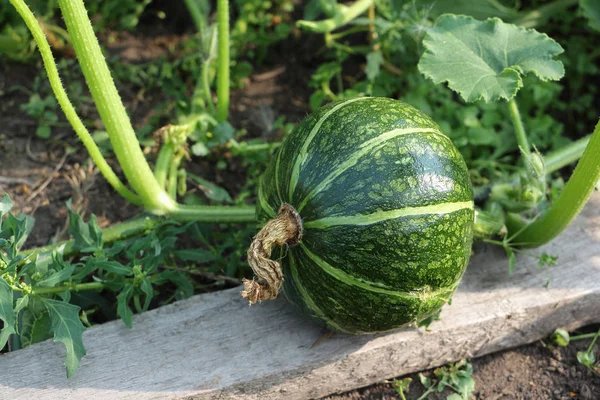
point(71, 288)
point(67, 106)
point(340, 18)
point(223, 62)
point(574, 196)
point(111, 109)
point(584, 336)
point(515, 116)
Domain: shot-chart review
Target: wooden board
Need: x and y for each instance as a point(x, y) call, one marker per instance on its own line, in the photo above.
point(214, 346)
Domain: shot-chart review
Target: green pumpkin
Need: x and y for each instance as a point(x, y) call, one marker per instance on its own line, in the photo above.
point(387, 214)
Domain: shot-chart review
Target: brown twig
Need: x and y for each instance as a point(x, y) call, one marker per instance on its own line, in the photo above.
point(205, 274)
point(49, 179)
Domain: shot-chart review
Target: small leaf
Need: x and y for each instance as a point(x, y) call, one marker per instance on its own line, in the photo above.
point(214, 192)
point(561, 337)
point(146, 287)
point(425, 381)
point(58, 276)
point(7, 313)
point(113, 266)
point(223, 132)
point(586, 358)
point(5, 206)
point(374, 61)
point(87, 236)
point(18, 229)
point(591, 10)
point(67, 329)
point(123, 309)
point(43, 131)
point(485, 59)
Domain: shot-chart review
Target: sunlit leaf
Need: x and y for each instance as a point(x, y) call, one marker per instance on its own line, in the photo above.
point(123, 309)
point(67, 329)
point(487, 59)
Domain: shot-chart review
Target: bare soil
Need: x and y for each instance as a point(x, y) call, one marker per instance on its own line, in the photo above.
point(534, 372)
point(40, 177)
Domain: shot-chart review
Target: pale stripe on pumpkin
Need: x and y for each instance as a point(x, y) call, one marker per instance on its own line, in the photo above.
point(353, 281)
point(308, 300)
point(379, 216)
point(364, 149)
point(304, 150)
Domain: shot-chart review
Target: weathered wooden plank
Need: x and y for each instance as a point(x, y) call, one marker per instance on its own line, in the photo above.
point(214, 347)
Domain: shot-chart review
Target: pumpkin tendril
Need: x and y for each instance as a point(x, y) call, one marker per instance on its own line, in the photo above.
point(283, 230)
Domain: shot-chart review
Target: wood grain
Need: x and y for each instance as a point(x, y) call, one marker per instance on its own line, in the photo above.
point(214, 346)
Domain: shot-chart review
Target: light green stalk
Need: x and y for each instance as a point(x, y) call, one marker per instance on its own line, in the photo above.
point(111, 109)
point(68, 109)
point(223, 60)
point(574, 196)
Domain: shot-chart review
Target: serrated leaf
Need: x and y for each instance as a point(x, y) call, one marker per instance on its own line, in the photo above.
point(87, 236)
point(374, 61)
point(67, 329)
point(17, 229)
point(486, 59)
point(591, 10)
point(123, 309)
point(7, 313)
point(35, 328)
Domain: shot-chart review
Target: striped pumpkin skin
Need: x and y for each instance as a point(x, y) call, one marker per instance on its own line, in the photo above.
point(387, 210)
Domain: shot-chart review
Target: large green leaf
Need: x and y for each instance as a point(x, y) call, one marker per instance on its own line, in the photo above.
point(67, 329)
point(591, 10)
point(486, 59)
point(7, 313)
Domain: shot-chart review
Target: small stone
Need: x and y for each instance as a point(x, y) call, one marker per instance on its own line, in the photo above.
point(585, 392)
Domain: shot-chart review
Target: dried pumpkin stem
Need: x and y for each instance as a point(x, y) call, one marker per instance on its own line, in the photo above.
point(283, 230)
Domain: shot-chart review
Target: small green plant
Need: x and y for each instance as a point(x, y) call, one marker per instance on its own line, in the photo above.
point(402, 386)
point(456, 377)
point(587, 358)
